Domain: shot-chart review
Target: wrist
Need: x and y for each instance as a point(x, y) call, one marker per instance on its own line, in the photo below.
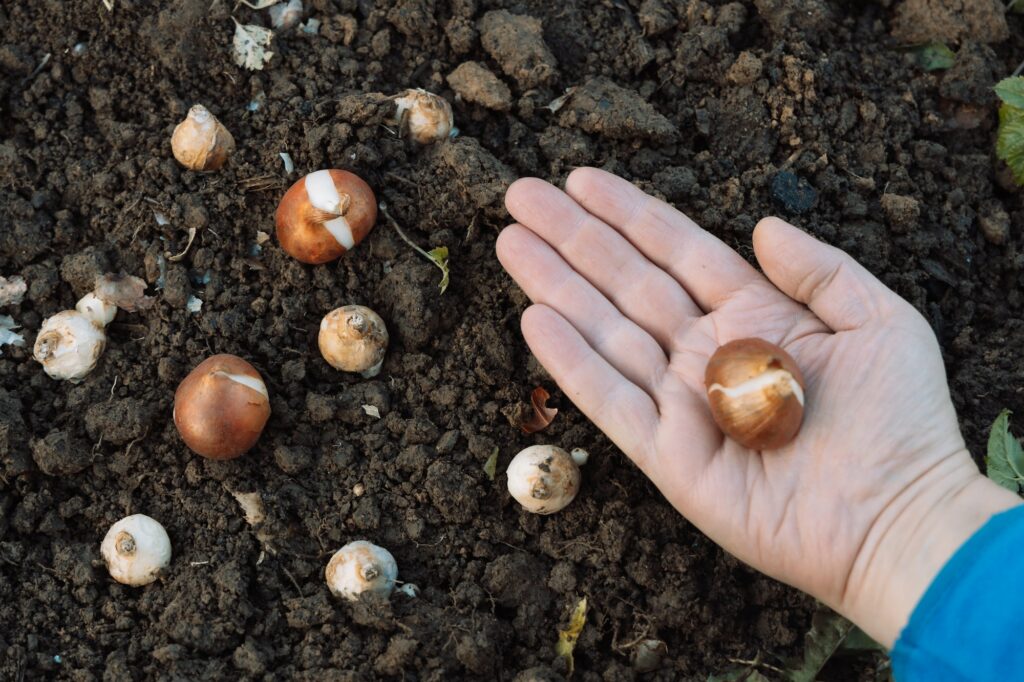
point(913, 538)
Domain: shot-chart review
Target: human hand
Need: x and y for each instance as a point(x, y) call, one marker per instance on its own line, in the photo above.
point(631, 298)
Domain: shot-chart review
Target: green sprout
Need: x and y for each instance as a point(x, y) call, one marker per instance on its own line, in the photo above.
point(438, 255)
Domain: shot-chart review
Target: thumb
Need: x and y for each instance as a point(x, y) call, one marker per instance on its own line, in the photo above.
point(838, 289)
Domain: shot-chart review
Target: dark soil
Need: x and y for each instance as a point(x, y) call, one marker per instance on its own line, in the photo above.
point(702, 103)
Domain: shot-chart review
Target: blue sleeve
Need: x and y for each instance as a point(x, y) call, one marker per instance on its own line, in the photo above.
point(969, 625)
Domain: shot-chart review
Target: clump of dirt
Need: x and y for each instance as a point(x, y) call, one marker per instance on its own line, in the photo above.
point(731, 110)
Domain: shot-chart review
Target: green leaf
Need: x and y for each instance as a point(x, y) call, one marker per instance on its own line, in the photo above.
point(491, 465)
point(439, 257)
point(1010, 140)
point(1011, 91)
point(934, 56)
point(1015, 6)
point(828, 630)
point(1004, 460)
point(567, 638)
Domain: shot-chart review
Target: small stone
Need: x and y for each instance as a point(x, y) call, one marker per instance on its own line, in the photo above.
point(648, 654)
point(476, 84)
point(745, 70)
point(902, 212)
point(793, 193)
point(994, 222)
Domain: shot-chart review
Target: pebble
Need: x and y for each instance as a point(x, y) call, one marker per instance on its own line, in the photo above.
point(793, 193)
point(902, 212)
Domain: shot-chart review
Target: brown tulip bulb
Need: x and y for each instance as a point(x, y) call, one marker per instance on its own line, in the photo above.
point(221, 407)
point(200, 142)
point(353, 338)
point(756, 393)
point(325, 214)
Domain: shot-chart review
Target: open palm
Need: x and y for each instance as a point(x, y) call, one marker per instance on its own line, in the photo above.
point(631, 298)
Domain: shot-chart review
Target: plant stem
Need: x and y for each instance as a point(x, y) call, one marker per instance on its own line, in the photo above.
point(405, 238)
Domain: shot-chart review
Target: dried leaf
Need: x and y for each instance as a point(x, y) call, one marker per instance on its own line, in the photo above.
point(12, 290)
point(542, 414)
point(491, 465)
point(567, 638)
point(828, 630)
point(250, 43)
point(127, 292)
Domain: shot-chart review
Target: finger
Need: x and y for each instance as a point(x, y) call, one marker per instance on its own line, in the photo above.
point(643, 292)
point(827, 280)
point(618, 407)
point(548, 279)
point(708, 269)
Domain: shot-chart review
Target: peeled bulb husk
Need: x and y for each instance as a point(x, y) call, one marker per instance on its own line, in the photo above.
point(756, 393)
point(70, 343)
point(284, 16)
point(353, 338)
point(425, 116)
point(544, 479)
point(360, 567)
point(200, 142)
point(136, 549)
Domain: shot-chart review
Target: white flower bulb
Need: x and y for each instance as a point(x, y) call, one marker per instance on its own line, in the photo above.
point(136, 549)
point(69, 344)
point(360, 567)
point(425, 116)
point(543, 478)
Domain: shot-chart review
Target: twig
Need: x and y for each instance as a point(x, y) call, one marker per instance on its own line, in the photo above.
point(405, 238)
point(438, 256)
point(35, 72)
point(292, 578)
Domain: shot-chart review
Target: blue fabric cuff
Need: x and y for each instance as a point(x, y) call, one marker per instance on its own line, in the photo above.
point(969, 625)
